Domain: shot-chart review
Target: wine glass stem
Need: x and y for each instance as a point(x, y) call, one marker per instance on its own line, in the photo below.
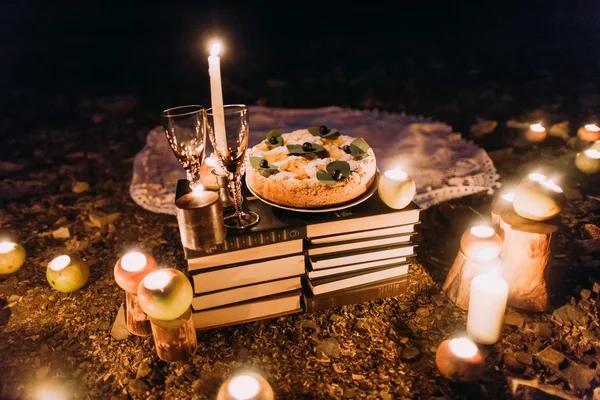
point(236, 188)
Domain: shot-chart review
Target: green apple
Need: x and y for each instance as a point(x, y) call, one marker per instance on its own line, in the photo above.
point(588, 161)
point(165, 294)
point(66, 274)
point(12, 257)
point(538, 200)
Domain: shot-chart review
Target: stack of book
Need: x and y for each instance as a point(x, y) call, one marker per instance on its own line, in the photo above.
point(293, 261)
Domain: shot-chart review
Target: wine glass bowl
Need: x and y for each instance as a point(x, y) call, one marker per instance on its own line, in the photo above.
point(185, 128)
point(228, 130)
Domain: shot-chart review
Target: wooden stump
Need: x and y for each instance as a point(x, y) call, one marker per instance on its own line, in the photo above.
point(525, 253)
point(499, 206)
point(137, 320)
point(175, 340)
point(458, 282)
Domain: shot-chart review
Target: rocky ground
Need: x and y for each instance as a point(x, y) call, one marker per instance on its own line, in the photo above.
point(66, 190)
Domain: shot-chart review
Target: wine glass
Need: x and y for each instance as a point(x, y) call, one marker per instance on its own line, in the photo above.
point(185, 128)
point(228, 130)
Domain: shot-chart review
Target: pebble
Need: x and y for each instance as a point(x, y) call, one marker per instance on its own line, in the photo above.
point(570, 315)
point(512, 363)
point(330, 347)
point(385, 395)
point(514, 319)
point(410, 353)
point(334, 317)
point(119, 329)
point(138, 386)
point(422, 312)
point(543, 330)
point(524, 358)
point(143, 370)
point(61, 233)
point(360, 326)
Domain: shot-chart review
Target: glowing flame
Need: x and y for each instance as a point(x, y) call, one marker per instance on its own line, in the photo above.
point(537, 127)
point(215, 49)
point(133, 261)
point(463, 347)
point(211, 161)
point(198, 190)
point(243, 387)
point(592, 153)
point(537, 177)
point(510, 196)
point(59, 263)
point(396, 174)
point(549, 184)
point(5, 247)
point(482, 231)
point(157, 280)
point(592, 127)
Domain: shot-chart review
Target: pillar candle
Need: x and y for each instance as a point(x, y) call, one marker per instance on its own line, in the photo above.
point(487, 305)
point(216, 97)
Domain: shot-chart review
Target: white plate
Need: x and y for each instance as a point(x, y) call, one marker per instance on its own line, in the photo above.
point(370, 192)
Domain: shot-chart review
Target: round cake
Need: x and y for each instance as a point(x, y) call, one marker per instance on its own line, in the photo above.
point(310, 168)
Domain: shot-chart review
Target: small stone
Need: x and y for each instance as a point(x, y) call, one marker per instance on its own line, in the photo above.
point(80, 187)
point(119, 329)
point(385, 395)
point(310, 325)
point(524, 358)
point(100, 219)
point(330, 347)
point(61, 233)
point(543, 330)
point(422, 312)
point(514, 319)
point(410, 353)
point(512, 363)
point(143, 370)
point(360, 326)
point(550, 358)
point(515, 339)
point(138, 386)
point(365, 385)
point(334, 317)
point(570, 315)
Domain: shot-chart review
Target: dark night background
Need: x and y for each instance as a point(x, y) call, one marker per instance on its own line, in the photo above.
point(427, 57)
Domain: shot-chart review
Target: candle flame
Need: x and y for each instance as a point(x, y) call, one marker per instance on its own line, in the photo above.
point(396, 174)
point(482, 231)
point(198, 190)
point(133, 261)
point(157, 280)
point(510, 196)
point(463, 347)
point(592, 127)
point(243, 387)
point(551, 185)
point(5, 247)
point(537, 127)
point(592, 153)
point(59, 263)
point(536, 176)
point(215, 49)
point(211, 161)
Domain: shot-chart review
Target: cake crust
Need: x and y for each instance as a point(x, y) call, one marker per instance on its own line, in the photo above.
point(296, 185)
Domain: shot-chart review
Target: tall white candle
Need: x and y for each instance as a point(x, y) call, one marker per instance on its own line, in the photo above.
point(486, 308)
point(216, 96)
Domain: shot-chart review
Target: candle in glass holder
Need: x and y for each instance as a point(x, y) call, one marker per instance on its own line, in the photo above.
point(12, 257)
point(536, 133)
point(246, 386)
point(481, 244)
point(459, 360)
point(538, 198)
point(200, 219)
point(396, 188)
point(588, 161)
point(589, 133)
point(487, 305)
point(66, 274)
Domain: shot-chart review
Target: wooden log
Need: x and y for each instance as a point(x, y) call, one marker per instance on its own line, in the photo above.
point(458, 281)
point(499, 206)
point(175, 340)
point(137, 321)
point(526, 250)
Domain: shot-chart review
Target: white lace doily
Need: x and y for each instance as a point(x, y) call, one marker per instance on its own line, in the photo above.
point(443, 165)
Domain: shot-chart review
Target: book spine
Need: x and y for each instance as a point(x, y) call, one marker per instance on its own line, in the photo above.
point(343, 298)
point(250, 239)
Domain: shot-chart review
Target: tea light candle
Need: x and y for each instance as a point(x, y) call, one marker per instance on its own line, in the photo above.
point(396, 188)
point(216, 96)
point(589, 133)
point(165, 294)
point(66, 274)
point(459, 360)
point(200, 219)
point(538, 198)
point(588, 161)
point(132, 268)
point(536, 133)
point(481, 244)
point(12, 257)
point(487, 305)
point(247, 386)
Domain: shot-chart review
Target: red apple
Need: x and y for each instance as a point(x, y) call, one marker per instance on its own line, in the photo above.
point(132, 268)
point(459, 360)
